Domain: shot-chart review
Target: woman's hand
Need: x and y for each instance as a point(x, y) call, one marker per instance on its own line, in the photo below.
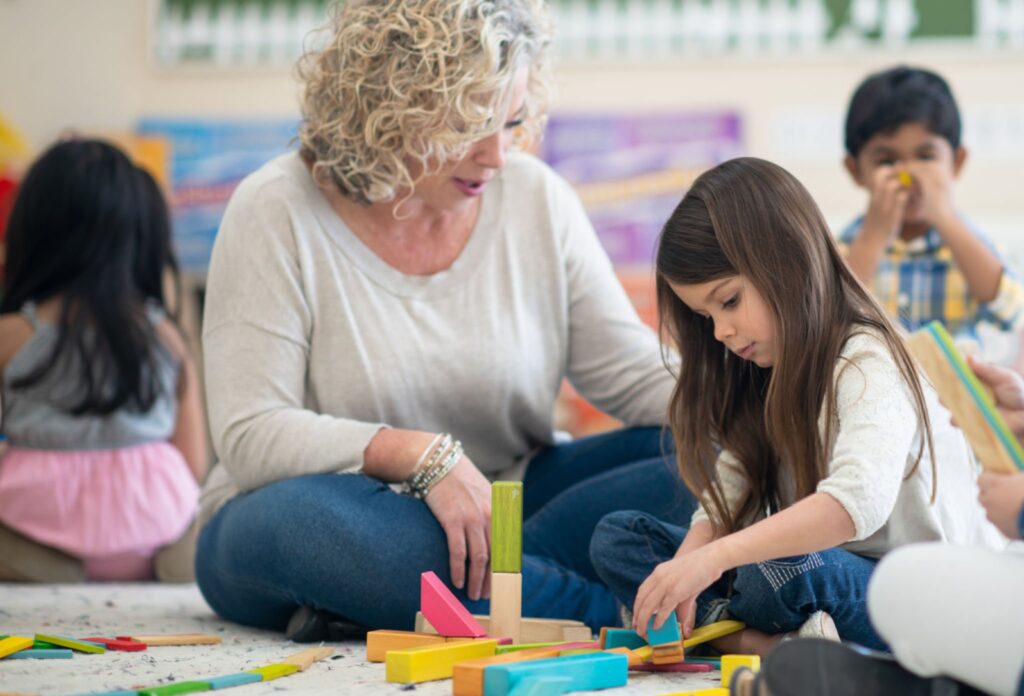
point(461, 502)
point(675, 585)
point(1002, 495)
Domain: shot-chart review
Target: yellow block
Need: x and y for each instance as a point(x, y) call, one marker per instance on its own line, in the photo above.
point(379, 643)
point(700, 692)
point(731, 662)
point(642, 654)
point(274, 671)
point(712, 631)
point(304, 659)
point(905, 179)
point(13, 644)
point(433, 661)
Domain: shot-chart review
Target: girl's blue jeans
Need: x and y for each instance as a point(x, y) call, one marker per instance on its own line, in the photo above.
point(772, 596)
point(349, 545)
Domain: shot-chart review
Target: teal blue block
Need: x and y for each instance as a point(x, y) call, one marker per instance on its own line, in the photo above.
point(668, 633)
point(623, 638)
point(589, 671)
point(43, 654)
point(542, 686)
point(234, 680)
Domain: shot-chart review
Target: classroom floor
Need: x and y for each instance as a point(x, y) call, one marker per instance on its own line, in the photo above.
point(110, 609)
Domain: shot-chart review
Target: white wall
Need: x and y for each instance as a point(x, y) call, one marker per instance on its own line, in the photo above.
point(78, 63)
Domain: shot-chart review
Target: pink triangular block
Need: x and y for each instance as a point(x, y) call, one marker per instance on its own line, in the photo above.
point(444, 611)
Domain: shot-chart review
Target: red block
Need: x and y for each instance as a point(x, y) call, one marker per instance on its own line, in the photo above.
point(125, 644)
point(444, 611)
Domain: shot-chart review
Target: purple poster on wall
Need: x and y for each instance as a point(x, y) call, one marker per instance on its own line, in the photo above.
point(631, 169)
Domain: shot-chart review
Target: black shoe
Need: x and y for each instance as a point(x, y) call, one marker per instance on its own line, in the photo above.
point(825, 668)
point(309, 625)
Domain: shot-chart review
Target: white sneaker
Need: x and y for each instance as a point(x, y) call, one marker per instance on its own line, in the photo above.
point(819, 625)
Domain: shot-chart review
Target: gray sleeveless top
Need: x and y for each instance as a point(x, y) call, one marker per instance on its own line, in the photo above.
point(35, 416)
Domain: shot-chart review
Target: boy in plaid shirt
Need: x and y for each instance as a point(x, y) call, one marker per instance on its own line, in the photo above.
point(912, 247)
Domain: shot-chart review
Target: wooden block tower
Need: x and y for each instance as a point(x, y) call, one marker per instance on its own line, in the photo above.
point(507, 560)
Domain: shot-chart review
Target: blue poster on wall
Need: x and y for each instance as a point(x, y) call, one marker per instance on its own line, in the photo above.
point(208, 160)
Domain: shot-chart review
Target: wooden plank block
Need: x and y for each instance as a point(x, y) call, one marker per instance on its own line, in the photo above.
point(468, 676)
point(560, 644)
point(533, 630)
point(118, 644)
point(506, 527)
point(673, 667)
point(185, 687)
point(643, 654)
point(507, 605)
point(107, 693)
point(433, 661)
point(668, 633)
point(574, 633)
point(175, 639)
point(668, 653)
point(304, 659)
point(13, 644)
point(549, 685)
point(76, 645)
point(594, 671)
point(444, 611)
point(378, 643)
point(42, 654)
point(632, 660)
point(274, 671)
point(712, 631)
point(229, 680)
point(701, 692)
point(970, 403)
point(622, 638)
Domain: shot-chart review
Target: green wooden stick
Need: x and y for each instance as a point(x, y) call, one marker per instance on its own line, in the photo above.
point(507, 527)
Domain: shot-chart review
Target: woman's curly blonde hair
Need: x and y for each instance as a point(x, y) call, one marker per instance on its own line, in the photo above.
point(416, 81)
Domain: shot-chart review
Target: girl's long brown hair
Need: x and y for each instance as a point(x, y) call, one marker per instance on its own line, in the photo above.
point(752, 218)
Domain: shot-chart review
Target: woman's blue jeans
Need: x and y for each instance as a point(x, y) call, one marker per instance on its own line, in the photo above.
point(349, 545)
point(773, 596)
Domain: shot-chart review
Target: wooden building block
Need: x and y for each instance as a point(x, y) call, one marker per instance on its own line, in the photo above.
point(185, 687)
point(668, 653)
point(468, 676)
point(229, 680)
point(712, 631)
point(13, 644)
point(700, 692)
point(674, 667)
point(533, 630)
point(643, 654)
point(274, 671)
point(444, 611)
point(668, 633)
point(594, 671)
point(42, 654)
point(304, 659)
point(175, 639)
point(506, 527)
point(731, 662)
point(76, 645)
point(378, 643)
point(967, 399)
point(433, 661)
point(507, 605)
point(559, 644)
point(548, 685)
point(622, 638)
point(118, 644)
point(631, 659)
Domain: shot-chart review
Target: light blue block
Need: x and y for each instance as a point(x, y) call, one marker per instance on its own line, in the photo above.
point(42, 654)
point(623, 638)
point(589, 671)
point(542, 686)
point(234, 680)
point(668, 633)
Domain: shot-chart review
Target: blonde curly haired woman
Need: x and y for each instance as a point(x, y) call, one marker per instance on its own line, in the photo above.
point(398, 302)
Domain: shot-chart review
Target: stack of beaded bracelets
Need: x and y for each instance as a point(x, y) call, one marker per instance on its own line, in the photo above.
point(440, 457)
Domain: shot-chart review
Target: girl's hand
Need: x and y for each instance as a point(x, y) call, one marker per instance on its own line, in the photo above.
point(461, 502)
point(675, 584)
point(1008, 389)
point(1002, 495)
point(888, 201)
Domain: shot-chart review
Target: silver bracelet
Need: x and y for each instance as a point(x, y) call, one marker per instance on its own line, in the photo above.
point(433, 455)
point(449, 463)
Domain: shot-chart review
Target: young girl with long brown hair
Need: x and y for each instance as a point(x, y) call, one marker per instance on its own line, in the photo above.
point(801, 424)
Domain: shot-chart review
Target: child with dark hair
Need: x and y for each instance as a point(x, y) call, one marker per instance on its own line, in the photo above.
point(801, 425)
point(915, 250)
point(100, 398)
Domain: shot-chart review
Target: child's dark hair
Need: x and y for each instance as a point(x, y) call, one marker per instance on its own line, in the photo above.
point(86, 227)
point(889, 99)
point(752, 218)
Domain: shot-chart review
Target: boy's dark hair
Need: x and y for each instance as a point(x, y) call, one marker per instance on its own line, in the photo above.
point(889, 99)
point(89, 227)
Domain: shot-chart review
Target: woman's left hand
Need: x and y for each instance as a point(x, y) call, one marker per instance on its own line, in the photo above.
point(1002, 495)
point(673, 584)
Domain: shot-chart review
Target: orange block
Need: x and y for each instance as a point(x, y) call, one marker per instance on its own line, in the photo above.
point(468, 676)
point(378, 643)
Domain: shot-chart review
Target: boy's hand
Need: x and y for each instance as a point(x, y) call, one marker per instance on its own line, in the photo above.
point(935, 183)
point(884, 218)
point(1002, 495)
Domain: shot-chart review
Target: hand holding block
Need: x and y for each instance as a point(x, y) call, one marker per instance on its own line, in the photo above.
point(507, 527)
point(668, 633)
point(444, 611)
point(993, 442)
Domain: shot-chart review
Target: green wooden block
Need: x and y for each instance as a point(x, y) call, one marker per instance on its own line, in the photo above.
point(274, 671)
point(507, 527)
point(77, 645)
point(185, 687)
